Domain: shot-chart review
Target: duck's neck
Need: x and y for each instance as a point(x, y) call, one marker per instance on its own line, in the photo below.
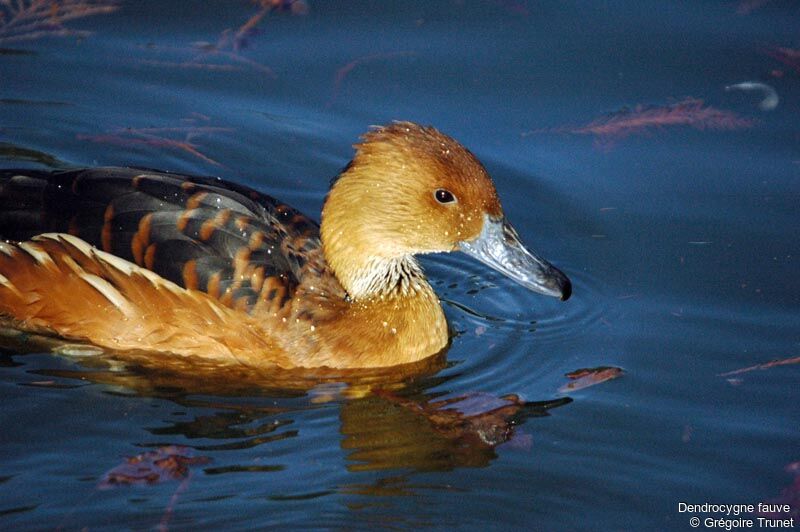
point(366, 259)
point(382, 277)
point(366, 276)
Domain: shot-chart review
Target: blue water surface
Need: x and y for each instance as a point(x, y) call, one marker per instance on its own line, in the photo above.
point(681, 240)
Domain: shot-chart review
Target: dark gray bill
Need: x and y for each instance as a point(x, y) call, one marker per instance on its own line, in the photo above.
point(498, 246)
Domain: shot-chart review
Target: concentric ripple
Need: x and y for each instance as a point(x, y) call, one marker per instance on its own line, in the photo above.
point(477, 298)
point(506, 334)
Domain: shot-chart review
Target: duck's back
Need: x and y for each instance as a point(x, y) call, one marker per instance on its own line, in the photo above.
point(232, 242)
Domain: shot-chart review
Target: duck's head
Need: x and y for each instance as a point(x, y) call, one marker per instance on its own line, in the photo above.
point(412, 190)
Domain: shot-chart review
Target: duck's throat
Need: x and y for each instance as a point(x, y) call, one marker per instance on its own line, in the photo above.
point(380, 277)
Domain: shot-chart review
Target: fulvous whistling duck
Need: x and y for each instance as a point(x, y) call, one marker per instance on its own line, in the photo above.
point(139, 260)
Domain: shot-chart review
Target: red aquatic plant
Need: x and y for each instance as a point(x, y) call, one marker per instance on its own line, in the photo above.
point(644, 119)
point(344, 71)
point(585, 377)
point(225, 54)
point(22, 20)
point(788, 56)
point(249, 28)
point(475, 420)
point(765, 365)
point(165, 463)
point(170, 462)
point(182, 138)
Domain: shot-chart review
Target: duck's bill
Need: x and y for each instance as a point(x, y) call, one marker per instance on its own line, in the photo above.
point(499, 247)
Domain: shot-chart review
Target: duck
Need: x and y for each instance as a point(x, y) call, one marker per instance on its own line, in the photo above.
point(197, 268)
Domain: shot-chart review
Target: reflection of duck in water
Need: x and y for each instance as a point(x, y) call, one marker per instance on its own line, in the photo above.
point(416, 431)
point(200, 267)
point(387, 419)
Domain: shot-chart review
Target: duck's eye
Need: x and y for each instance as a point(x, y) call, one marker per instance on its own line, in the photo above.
point(444, 196)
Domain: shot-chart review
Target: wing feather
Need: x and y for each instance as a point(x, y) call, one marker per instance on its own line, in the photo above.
point(58, 284)
point(198, 232)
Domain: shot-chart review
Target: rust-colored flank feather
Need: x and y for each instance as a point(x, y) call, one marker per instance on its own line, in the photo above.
point(138, 261)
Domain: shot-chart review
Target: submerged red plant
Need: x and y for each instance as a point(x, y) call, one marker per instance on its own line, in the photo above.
point(585, 377)
point(766, 365)
point(343, 72)
point(226, 53)
point(22, 20)
point(643, 119)
point(165, 463)
point(249, 28)
point(788, 56)
point(180, 138)
point(170, 462)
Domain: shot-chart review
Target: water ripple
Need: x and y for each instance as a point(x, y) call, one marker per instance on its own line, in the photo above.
point(479, 300)
point(508, 338)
